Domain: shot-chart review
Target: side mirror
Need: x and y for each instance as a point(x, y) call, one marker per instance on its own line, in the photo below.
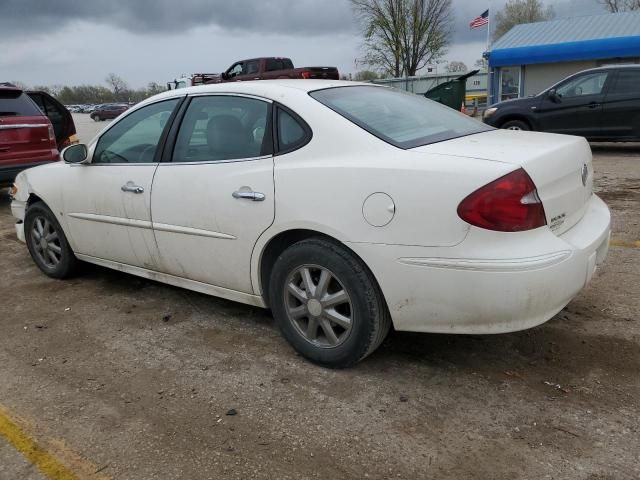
point(553, 96)
point(225, 76)
point(75, 154)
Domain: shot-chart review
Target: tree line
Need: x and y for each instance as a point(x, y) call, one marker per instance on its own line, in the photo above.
point(116, 91)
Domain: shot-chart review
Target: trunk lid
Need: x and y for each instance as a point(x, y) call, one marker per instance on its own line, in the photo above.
point(559, 165)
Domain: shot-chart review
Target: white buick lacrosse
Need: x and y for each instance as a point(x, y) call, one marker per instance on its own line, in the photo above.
point(343, 207)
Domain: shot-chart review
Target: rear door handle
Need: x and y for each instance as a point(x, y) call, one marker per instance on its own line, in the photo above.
point(132, 187)
point(249, 195)
point(593, 105)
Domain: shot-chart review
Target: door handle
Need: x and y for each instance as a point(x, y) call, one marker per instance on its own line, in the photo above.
point(249, 195)
point(132, 187)
point(593, 105)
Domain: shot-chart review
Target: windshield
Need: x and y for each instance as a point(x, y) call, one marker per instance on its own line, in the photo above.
point(402, 119)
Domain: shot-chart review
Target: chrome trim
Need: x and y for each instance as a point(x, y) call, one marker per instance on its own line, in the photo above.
point(164, 227)
point(125, 222)
point(249, 195)
point(490, 265)
point(23, 125)
point(208, 162)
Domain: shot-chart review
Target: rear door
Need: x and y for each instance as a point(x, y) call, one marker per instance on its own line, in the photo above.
point(25, 137)
point(621, 115)
point(215, 196)
point(578, 107)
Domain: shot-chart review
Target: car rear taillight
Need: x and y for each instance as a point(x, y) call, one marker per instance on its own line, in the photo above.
point(52, 134)
point(508, 204)
point(306, 74)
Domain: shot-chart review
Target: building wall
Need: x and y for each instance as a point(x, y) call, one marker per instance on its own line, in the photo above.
point(540, 77)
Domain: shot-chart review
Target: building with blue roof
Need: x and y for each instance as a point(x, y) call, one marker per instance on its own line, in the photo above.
point(531, 57)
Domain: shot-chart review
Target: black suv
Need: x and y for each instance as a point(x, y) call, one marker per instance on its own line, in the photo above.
point(601, 104)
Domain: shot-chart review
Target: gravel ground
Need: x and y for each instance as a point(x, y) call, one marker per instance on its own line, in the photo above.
point(137, 379)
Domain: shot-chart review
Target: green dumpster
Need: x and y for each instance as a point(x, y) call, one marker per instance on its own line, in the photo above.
point(451, 93)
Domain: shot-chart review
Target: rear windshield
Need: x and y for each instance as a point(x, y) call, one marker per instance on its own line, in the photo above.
point(17, 104)
point(402, 119)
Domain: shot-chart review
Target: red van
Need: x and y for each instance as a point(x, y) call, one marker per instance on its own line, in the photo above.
point(27, 136)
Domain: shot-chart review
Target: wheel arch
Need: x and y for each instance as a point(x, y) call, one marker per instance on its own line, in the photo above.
point(278, 243)
point(516, 116)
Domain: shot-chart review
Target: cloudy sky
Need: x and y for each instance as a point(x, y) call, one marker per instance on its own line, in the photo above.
point(80, 41)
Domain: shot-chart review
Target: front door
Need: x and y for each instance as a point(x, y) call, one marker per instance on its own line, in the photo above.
point(215, 195)
point(576, 109)
point(108, 202)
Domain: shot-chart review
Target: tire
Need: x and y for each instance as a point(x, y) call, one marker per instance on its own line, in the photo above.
point(350, 293)
point(55, 259)
point(97, 118)
point(515, 125)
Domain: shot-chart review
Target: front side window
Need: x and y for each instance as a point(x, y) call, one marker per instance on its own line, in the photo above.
point(216, 128)
point(235, 70)
point(402, 119)
point(135, 138)
point(590, 84)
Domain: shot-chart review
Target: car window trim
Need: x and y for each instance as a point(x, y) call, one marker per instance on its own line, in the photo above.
point(172, 137)
point(276, 131)
point(157, 158)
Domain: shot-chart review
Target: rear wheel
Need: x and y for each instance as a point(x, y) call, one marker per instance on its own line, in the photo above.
point(515, 125)
point(97, 118)
point(47, 243)
point(327, 304)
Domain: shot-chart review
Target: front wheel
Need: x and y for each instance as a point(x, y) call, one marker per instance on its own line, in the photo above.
point(47, 243)
point(327, 303)
point(96, 118)
point(516, 125)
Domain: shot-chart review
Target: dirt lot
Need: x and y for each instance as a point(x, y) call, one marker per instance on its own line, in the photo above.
point(134, 379)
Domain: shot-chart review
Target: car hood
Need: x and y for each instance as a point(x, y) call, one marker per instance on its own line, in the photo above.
point(517, 103)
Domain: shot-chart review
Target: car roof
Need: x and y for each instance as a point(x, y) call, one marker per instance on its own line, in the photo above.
point(10, 87)
point(612, 67)
point(272, 89)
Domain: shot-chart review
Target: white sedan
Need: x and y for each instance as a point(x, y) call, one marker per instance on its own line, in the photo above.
point(343, 207)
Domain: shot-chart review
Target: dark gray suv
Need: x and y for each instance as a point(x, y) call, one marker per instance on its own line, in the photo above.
point(601, 104)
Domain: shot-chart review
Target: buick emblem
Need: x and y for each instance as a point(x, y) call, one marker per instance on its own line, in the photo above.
point(585, 174)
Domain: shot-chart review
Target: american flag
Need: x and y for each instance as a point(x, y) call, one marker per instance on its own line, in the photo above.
point(480, 21)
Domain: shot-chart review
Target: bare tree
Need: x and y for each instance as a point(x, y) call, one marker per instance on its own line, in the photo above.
point(615, 6)
point(516, 12)
point(118, 86)
point(455, 67)
point(481, 63)
point(403, 36)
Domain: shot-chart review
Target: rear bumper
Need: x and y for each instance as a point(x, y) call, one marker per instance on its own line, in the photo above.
point(489, 283)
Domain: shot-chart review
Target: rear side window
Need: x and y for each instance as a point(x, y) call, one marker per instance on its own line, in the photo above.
point(292, 133)
point(402, 119)
point(273, 64)
point(17, 104)
point(628, 82)
point(217, 128)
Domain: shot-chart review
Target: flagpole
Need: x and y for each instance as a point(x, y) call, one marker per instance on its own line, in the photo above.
point(489, 27)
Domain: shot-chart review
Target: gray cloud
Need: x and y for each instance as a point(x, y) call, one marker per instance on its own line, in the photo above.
point(289, 17)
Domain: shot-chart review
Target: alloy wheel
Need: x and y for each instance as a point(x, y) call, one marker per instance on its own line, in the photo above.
point(46, 242)
point(318, 305)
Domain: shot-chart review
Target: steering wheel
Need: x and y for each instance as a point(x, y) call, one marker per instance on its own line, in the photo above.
point(149, 149)
point(113, 155)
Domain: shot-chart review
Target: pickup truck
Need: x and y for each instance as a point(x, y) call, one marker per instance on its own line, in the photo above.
point(271, 68)
point(266, 68)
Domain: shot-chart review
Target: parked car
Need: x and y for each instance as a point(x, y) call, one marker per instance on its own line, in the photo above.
point(60, 117)
point(27, 137)
point(344, 207)
point(107, 111)
point(601, 104)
